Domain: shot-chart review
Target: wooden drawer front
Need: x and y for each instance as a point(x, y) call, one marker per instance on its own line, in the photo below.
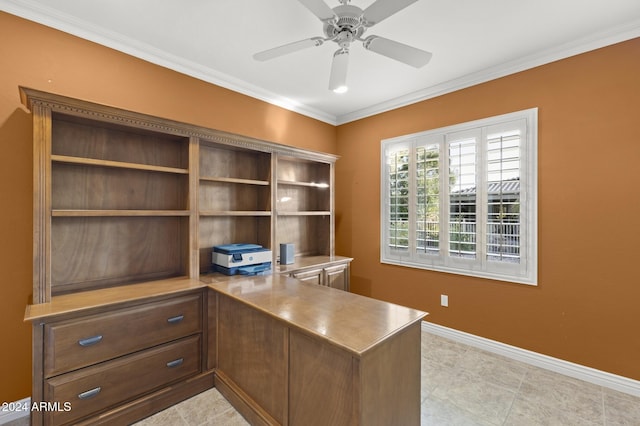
point(85, 341)
point(93, 389)
point(313, 276)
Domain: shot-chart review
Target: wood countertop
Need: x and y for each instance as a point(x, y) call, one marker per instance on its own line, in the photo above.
point(86, 300)
point(353, 322)
point(350, 321)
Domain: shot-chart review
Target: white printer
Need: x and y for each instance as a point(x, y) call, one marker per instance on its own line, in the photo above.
point(245, 259)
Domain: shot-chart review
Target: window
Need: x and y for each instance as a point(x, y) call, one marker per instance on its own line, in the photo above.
point(463, 199)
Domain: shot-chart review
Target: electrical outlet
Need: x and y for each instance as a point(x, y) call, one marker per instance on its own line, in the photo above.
point(444, 300)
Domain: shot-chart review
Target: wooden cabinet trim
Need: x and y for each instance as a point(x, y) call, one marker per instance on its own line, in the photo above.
point(117, 116)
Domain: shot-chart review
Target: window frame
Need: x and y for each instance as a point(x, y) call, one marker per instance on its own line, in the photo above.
point(524, 272)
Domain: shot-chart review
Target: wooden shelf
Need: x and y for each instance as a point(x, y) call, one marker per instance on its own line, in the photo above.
point(305, 213)
point(119, 179)
point(319, 185)
point(233, 213)
point(118, 164)
point(115, 213)
point(304, 205)
point(235, 199)
point(235, 180)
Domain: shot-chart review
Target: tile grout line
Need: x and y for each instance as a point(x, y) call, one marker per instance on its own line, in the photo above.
point(524, 377)
point(604, 407)
point(184, 421)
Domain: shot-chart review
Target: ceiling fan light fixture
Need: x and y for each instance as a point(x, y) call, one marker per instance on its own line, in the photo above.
point(338, 78)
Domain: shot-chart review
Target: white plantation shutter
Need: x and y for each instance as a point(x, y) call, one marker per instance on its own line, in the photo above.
point(462, 199)
point(427, 203)
point(396, 194)
point(503, 195)
point(463, 164)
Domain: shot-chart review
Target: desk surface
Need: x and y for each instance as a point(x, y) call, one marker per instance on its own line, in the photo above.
point(353, 322)
point(105, 297)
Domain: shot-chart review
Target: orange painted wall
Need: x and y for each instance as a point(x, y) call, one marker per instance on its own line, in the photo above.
point(585, 308)
point(34, 56)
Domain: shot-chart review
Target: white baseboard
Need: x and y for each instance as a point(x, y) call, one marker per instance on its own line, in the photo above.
point(14, 411)
point(588, 374)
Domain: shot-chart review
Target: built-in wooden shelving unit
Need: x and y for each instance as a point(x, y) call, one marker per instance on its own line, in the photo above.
point(125, 201)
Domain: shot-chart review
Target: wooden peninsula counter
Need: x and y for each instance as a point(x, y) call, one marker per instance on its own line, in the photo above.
point(293, 353)
point(282, 351)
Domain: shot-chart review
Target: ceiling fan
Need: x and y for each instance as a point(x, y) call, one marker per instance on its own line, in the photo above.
point(345, 24)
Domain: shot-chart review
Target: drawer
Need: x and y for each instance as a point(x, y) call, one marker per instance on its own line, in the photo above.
point(313, 276)
point(81, 342)
point(96, 388)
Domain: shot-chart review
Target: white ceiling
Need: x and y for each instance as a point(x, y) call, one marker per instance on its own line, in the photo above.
point(472, 41)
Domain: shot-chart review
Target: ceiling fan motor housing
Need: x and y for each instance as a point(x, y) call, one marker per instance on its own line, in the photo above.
point(348, 27)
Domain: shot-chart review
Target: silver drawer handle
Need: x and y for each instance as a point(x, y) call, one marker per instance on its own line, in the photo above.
point(90, 340)
point(90, 393)
point(175, 363)
point(176, 319)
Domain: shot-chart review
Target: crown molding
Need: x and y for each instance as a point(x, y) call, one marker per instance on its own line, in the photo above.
point(52, 18)
point(598, 40)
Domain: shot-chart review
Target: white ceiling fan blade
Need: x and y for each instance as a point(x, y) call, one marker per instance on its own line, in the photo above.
point(319, 8)
point(382, 9)
point(275, 52)
point(398, 51)
point(338, 78)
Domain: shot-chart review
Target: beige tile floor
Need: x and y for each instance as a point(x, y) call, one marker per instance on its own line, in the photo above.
point(461, 386)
